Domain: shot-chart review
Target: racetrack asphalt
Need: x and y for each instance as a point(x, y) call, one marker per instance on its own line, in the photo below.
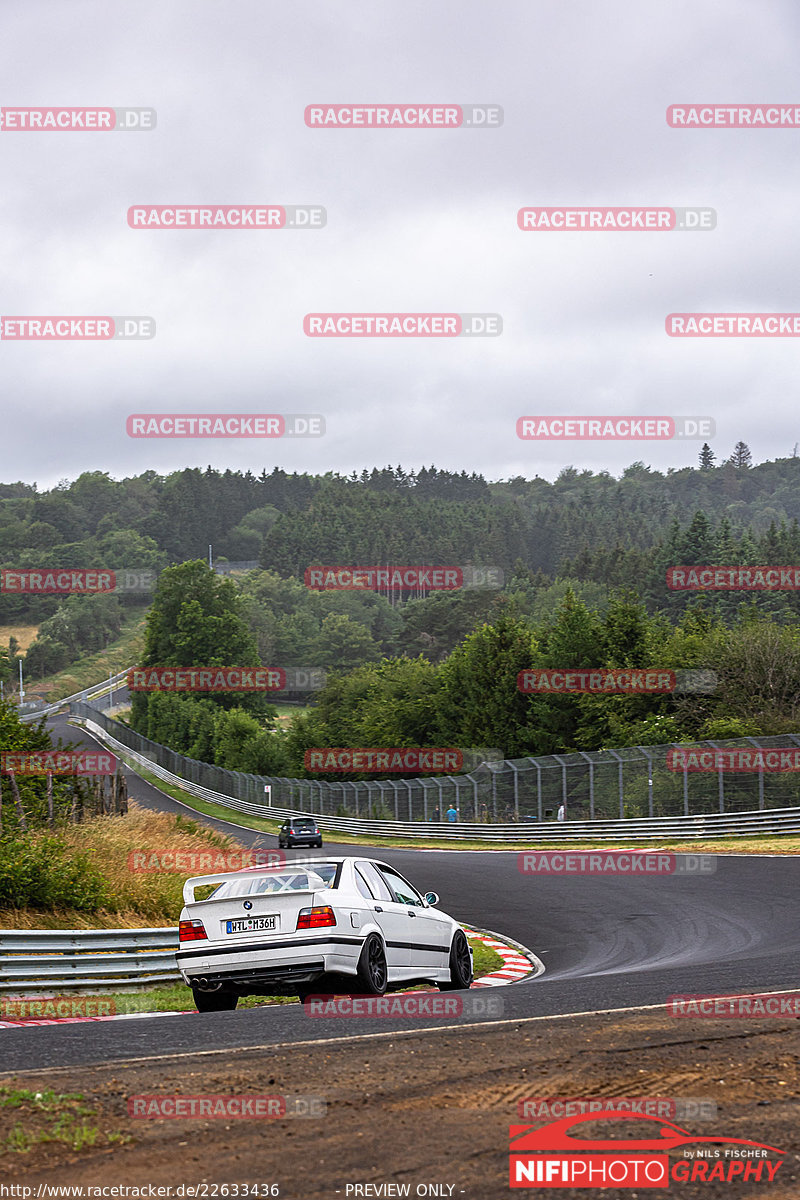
point(607, 944)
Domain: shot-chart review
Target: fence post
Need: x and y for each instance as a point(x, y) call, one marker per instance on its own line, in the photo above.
point(761, 772)
point(20, 811)
point(516, 787)
point(720, 780)
point(591, 783)
point(649, 780)
point(560, 760)
point(685, 789)
point(621, 796)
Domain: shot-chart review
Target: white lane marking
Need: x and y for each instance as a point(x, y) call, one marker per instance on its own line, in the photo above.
point(363, 1037)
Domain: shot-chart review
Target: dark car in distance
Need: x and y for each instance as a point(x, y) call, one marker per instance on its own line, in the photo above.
point(299, 831)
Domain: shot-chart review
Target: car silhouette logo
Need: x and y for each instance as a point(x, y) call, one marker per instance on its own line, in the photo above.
point(555, 1136)
point(248, 904)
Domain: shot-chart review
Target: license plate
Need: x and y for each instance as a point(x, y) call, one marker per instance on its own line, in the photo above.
point(250, 924)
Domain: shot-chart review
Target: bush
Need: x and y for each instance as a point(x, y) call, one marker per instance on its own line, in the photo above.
point(41, 871)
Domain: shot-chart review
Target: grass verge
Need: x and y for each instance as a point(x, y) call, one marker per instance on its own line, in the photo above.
point(29, 1120)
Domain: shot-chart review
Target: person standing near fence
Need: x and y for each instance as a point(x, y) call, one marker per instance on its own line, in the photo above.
point(452, 814)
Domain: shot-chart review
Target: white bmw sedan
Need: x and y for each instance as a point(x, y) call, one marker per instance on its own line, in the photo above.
point(321, 924)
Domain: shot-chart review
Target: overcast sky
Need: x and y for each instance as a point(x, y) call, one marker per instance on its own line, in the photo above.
point(417, 221)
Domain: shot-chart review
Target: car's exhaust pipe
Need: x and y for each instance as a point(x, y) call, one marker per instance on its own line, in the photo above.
point(206, 985)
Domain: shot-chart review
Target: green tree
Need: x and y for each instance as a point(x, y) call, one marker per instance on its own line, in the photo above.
point(343, 644)
point(481, 704)
point(707, 457)
point(741, 458)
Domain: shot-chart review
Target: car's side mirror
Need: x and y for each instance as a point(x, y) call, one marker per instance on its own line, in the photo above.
point(431, 898)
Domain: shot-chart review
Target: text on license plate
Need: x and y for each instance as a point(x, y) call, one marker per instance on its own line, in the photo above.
point(250, 924)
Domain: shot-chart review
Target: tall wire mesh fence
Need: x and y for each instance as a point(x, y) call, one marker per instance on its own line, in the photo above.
point(634, 782)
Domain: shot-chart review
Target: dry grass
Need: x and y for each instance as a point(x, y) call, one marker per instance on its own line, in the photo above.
point(141, 898)
point(25, 635)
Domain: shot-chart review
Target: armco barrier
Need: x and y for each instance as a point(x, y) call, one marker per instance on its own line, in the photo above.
point(694, 826)
point(55, 960)
point(97, 693)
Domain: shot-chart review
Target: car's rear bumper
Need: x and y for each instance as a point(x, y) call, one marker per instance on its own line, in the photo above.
point(270, 968)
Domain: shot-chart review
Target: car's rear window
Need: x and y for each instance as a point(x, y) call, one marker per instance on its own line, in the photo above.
point(293, 878)
point(303, 825)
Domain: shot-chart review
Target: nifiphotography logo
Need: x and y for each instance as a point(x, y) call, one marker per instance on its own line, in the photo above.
point(550, 1156)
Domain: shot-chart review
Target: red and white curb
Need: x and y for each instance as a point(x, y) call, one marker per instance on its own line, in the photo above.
point(516, 965)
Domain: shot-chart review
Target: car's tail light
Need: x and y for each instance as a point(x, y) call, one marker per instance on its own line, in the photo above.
point(192, 931)
point(315, 918)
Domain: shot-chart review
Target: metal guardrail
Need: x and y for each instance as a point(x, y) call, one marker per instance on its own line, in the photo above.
point(85, 695)
point(55, 960)
point(709, 825)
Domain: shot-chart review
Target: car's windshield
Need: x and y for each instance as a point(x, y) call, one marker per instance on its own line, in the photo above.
point(310, 877)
